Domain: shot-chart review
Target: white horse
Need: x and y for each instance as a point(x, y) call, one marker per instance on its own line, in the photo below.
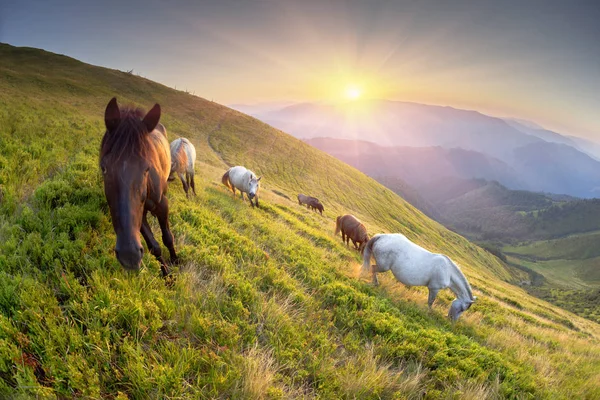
point(183, 158)
point(244, 180)
point(414, 266)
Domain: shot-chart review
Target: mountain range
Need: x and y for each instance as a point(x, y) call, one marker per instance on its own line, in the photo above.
point(458, 143)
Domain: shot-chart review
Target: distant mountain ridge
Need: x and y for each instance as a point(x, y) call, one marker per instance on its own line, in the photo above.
point(418, 166)
point(533, 158)
point(538, 167)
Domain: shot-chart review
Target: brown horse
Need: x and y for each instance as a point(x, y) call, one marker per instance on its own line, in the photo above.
point(311, 202)
point(303, 199)
point(315, 204)
point(135, 162)
point(353, 229)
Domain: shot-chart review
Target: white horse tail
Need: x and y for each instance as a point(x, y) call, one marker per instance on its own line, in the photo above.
point(368, 249)
point(226, 181)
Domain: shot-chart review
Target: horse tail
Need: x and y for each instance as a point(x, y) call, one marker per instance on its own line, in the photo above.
point(367, 251)
point(338, 225)
point(225, 180)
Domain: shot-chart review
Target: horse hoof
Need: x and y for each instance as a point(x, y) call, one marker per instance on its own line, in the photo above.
point(170, 280)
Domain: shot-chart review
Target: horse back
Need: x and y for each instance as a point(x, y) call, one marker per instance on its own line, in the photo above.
point(179, 156)
point(314, 202)
point(353, 228)
point(239, 177)
point(190, 152)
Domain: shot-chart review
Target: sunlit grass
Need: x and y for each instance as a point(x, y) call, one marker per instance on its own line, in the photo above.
point(267, 302)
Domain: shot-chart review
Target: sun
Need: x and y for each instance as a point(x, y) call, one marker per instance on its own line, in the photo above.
point(352, 92)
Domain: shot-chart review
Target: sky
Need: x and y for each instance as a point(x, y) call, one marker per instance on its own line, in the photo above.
point(533, 59)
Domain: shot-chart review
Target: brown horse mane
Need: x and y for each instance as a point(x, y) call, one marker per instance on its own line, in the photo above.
point(129, 139)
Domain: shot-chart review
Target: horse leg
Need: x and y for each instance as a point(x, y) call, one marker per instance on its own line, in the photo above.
point(374, 271)
point(432, 295)
point(193, 184)
point(185, 185)
point(162, 214)
point(153, 245)
point(255, 200)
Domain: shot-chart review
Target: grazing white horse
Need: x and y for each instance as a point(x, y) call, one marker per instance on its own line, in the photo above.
point(183, 158)
point(244, 180)
point(414, 266)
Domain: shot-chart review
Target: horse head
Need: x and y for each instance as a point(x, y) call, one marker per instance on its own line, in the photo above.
point(125, 161)
point(459, 306)
point(253, 186)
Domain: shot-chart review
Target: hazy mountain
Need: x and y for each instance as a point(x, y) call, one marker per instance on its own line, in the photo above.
point(258, 108)
point(537, 131)
point(558, 168)
point(517, 153)
point(400, 124)
point(418, 166)
point(587, 146)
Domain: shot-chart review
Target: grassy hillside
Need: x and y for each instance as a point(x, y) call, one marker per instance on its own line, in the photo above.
point(571, 266)
point(267, 302)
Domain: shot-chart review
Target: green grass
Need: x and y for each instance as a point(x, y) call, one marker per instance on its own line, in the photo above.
point(573, 247)
point(267, 302)
point(571, 266)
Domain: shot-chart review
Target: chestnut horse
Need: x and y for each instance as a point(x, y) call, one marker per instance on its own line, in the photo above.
point(315, 204)
point(352, 228)
point(135, 162)
point(311, 202)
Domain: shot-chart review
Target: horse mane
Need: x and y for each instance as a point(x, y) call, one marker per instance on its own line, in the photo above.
point(129, 139)
point(461, 277)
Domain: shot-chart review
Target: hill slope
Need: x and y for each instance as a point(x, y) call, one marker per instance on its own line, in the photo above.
point(266, 303)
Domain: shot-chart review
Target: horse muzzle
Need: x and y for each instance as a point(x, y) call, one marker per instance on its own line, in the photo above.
point(130, 257)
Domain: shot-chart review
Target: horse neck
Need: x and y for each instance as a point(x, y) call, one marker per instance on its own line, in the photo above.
point(459, 284)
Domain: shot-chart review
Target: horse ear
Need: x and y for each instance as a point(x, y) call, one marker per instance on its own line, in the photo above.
point(259, 178)
point(151, 119)
point(112, 115)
